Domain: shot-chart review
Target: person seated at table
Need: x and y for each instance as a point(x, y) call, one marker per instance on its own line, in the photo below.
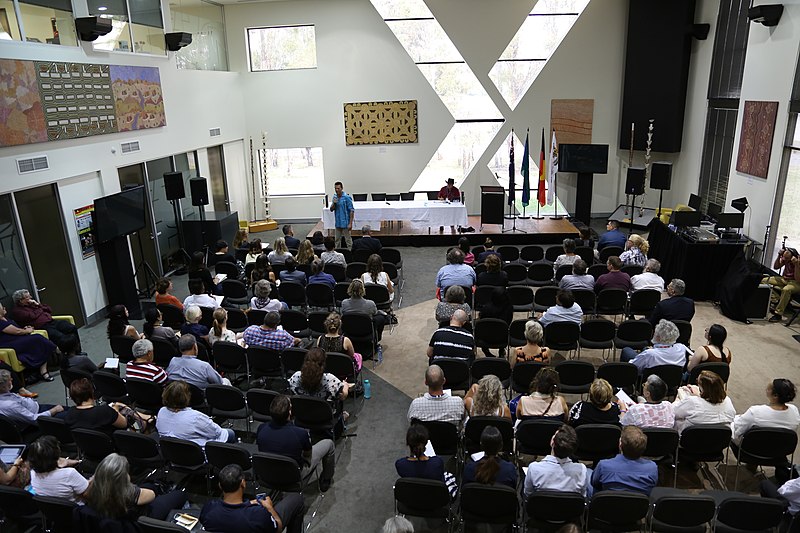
point(163, 289)
point(291, 274)
point(305, 254)
point(176, 419)
point(253, 251)
point(29, 312)
point(486, 398)
point(33, 350)
point(87, 414)
point(568, 257)
point(543, 402)
point(220, 254)
point(453, 300)
point(649, 278)
point(558, 471)
point(192, 326)
point(614, 278)
point(198, 296)
point(318, 275)
point(198, 270)
point(565, 310)
point(533, 349)
point(52, 475)
point(118, 324)
point(602, 408)
point(676, 307)
point(778, 413)
point(713, 351)
point(494, 274)
point(417, 464)
point(488, 249)
point(463, 245)
point(635, 253)
point(666, 349)
point(72, 358)
point(655, 412)
point(367, 241)
point(261, 300)
point(491, 469)
point(280, 252)
point(612, 237)
point(628, 470)
point(704, 403)
point(579, 279)
point(330, 255)
point(455, 272)
point(450, 191)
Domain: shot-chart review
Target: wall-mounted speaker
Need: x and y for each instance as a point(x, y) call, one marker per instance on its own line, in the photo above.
point(199, 189)
point(173, 185)
point(90, 28)
point(766, 14)
point(634, 184)
point(661, 175)
point(176, 41)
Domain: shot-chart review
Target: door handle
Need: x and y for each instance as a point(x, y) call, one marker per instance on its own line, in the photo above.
point(41, 289)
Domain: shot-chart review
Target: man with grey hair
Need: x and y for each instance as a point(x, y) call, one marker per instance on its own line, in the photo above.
point(367, 241)
point(453, 340)
point(397, 524)
point(29, 312)
point(142, 366)
point(649, 279)
point(676, 307)
point(436, 405)
point(24, 411)
point(666, 349)
point(455, 272)
point(655, 412)
point(190, 369)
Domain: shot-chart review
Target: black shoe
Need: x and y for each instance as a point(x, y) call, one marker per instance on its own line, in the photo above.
point(47, 377)
point(325, 484)
point(775, 318)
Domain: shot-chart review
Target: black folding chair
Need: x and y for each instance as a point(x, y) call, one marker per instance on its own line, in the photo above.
point(231, 359)
point(320, 295)
point(221, 454)
point(475, 426)
point(705, 443)
point(51, 425)
point(597, 270)
point(292, 360)
point(576, 376)
point(235, 291)
point(533, 436)
point(632, 270)
point(719, 368)
point(611, 302)
point(516, 333)
point(164, 351)
point(146, 395)
point(620, 375)
point(172, 316)
point(10, 432)
point(359, 328)
point(237, 320)
point(685, 329)
point(634, 334)
point(491, 365)
point(587, 299)
point(57, 513)
point(444, 436)
point(488, 504)
point(314, 414)
point(19, 510)
point(548, 510)
point(293, 294)
point(491, 333)
point(597, 441)
point(643, 302)
point(423, 498)
point(673, 509)
point(521, 297)
point(562, 271)
point(227, 402)
point(456, 372)
point(764, 447)
point(122, 347)
point(185, 457)
point(259, 401)
point(517, 273)
point(737, 512)
point(552, 253)
point(540, 274)
point(662, 444)
point(531, 254)
point(508, 254)
point(523, 374)
point(264, 362)
point(255, 317)
point(110, 387)
point(295, 322)
point(616, 510)
point(544, 298)
point(671, 374)
point(93, 446)
point(339, 272)
point(355, 269)
point(586, 253)
point(608, 251)
point(562, 336)
point(597, 334)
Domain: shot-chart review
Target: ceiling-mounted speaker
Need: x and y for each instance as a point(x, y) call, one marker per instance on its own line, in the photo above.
point(90, 28)
point(767, 14)
point(700, 31)
point(177, 40)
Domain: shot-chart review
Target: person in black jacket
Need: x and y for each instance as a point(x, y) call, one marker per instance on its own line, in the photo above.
point(676, 307)
point(367, 241)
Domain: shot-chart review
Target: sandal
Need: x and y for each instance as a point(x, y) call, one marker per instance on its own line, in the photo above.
point(47, 377)
point(25, 393)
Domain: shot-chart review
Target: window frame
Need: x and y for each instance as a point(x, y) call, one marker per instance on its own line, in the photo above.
point(247, 31)
point(17, 14)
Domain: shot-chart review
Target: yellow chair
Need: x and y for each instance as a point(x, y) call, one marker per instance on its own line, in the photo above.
point(666, 213)
point(9, 355)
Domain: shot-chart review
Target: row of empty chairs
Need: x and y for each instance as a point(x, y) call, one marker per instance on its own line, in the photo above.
point(535, 253)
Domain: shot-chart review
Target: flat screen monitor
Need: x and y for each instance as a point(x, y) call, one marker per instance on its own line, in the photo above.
point(119, 214)
point(730, 220)
point(694, 202)
point(584, 158)
point(686, 219)
point(714, 210)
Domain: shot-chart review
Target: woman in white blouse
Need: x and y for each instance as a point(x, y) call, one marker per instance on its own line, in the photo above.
point(778, 413)
point(703, 404)
point(376, 275)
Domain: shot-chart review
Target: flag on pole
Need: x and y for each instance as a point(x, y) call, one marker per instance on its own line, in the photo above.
point(551, 179)
point(525, 170)
point(542, 192)
point(511, 184)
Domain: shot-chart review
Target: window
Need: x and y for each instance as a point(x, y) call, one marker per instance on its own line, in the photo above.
point(42, 21)
point(206, 22)
point(789, 202)
point(282, 48)
point(293, 171)
point(137, 26)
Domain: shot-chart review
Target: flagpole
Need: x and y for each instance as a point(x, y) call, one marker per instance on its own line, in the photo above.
point(539, 181)
point(526, 178)
point(511, 185)
point(554, 166)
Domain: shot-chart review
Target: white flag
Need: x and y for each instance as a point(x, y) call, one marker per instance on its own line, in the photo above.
point(551, 177)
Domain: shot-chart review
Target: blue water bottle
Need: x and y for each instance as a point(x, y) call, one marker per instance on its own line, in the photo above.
point(367, 390)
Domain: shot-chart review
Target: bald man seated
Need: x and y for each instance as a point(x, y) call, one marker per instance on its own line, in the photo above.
point(453, 340)
point(436, 405)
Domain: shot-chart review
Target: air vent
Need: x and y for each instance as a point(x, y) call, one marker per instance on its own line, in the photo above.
point(214, 132)
point(132, 146)
point(32, 164)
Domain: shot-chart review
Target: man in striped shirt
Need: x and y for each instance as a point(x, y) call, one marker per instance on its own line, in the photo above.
point(453, 340)
point(142, 366)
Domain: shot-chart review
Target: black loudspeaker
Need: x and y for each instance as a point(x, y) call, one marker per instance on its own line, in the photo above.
point(635, 182)
point(173, 185)
point(661, 175)
point(199, 191)
point(767, 14)
point(176, 41)
point(90, 28)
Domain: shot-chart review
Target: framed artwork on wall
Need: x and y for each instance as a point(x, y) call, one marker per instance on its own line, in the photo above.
point(755, 140)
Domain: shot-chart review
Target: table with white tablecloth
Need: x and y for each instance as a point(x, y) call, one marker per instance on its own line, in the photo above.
point(430, 213)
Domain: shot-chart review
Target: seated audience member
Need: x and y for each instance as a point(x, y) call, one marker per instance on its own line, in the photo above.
point(557, 471)
point(305, 254)
point(53, 476)
point(788, 284)
point(113, 496)
point(268, 335)
point(192, 326)
point(635, 253)
point(176, 419)
point(614, 278)
point(240, 239)
point(142, 366)
point(491, 469)
point(533, 349)
point(666, 349)
point(87, 414)
point(312, 380)
point(367, 241)
point(197, 296)
point(219, 329)
point(463, 245)
point(499, 306)
point(543, 402)
point(455, 272)
point(488, 249)
point(356, 303)
point(192, 370)
point(436, 405)
point(778, 413)
point(676, 307)
point(282, 437)
point(262, 270)
point(655, 412)
point(568, 257)
point(254, 249)
point(29, 312)
point(16, 382)
point(376, 276)
point(713, 351)
point(261, 300)
point(234, 514)
point(579, 279)
point(154, 328)
point(330, 255)
point(494, 274)
point(417, 464)
point(318, 242)
point(704, 403)
point(291, 274)
point(649, 278)
point(33, 350)
point(72, 356)
point(21, 410)
point(612, 237)
point(198, 270)
point(292, 242)
point(628, 470)
point(163, 289)
point(486, 398)
point(319, 276)
point(565, 310)
point(454, 298)
point(585, 238)
point(452, 340)
point(118, 324)
point(220, 254)
point(334, 341)
point(602, 407)
point(789, 492)
point(16, 474)
point(280, 252)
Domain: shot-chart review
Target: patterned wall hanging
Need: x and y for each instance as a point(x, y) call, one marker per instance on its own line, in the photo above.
point(380, 122)
point(755, 141)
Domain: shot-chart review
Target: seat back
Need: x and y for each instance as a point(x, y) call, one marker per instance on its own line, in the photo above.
point(336, 270)
point(562, 335)
point(521, 297)
point(516, 332)
point(358, 327)
point(540, 274)
point(145, 394)
point(705, 443)
point(277, 472)
point(255, 317)
point(456, 372)
point(17, 503)
point(292, 293)
point(661, 442)
point(483, 295)
point(110, 387)
point(598, 330)
point(135, 446)
point(391, 255)
point(356, 268)
point(531, 253)
point(587, 299)
point(750, 513)
point(234, 289)
point(229, 356)
point(264, 362)
point(489, 504)
point(122, 347)
point(597, 441)
point(444, 437)
point(523, 375)
point(597, 270)
point(643, 301)
point(237, 319)
point(225, 398)
point(491, 333)
point(340, 365)
point(634, 333)
point(671, 374)
point(319, 295)
point(227, 268)
point(259, 400)
point(586, 253)
point(172, 316)
point(57, 513)
point(619, 375)
point(632, 270)
point(292, 359)
point(9, 431)
point(221, 454)
point(164, 351)
point(555, 508)
point(533, 436)
point(50, 425)
point(685, 329)
point(422, 497)
point(312, 413)
point(93, 445)
point(545, 297)
point(294, 321)
point(562, 271)
point(475, 426)
point(611, 301)
point(719, 368)
point(617, 510)
point(378, 294)
point(552, 253)
point(490, 365)
point(684, 510)
point(517, 273)
point(575, 373)
point(182, 454)
point(608, 251)
point(767, 445)
point(508, 254)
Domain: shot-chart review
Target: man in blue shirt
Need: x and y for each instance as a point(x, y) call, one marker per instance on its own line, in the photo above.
point(612, 237)
point(342, 207)
point(234, 515)
point(455, 272)
point(627, 471)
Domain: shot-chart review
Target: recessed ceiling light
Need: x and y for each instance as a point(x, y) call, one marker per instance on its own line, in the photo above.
point(102, 8)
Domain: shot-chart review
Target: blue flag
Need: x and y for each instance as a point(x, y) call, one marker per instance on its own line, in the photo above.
point(511, 184)
point(525, 170)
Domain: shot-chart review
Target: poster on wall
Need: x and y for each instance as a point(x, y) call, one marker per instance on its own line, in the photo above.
point(83, 222)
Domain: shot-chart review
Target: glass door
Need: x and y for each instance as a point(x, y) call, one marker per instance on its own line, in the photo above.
point(163, 212)
point(219, 187)
point(144, 244)
point(13, 264)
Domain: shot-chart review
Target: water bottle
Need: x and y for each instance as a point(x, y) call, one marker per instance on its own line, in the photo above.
point(367, 390)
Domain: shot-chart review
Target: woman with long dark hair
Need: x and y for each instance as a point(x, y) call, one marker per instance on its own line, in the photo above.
point(417, 464)
point(714, 350)
point(312, 380)
point(262, 270)
point(491, 469)
point(118, 323)
point(543, 402)
point(777, 413)
point(376, 275)
point(153, 327)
